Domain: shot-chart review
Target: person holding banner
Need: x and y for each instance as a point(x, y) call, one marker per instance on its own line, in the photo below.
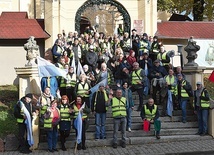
point(80, 109)
point(150, 113)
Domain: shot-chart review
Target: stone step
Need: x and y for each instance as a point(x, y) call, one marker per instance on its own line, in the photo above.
point(132, 141)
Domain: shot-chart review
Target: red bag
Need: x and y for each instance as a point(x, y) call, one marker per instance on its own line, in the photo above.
point(146, 125)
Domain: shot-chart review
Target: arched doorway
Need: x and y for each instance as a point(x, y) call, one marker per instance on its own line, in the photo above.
point(84, 22)
point(104, 15)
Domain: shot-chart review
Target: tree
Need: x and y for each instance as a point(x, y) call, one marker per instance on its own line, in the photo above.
point(199, 8)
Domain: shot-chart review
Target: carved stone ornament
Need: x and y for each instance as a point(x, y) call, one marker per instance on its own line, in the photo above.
point(90, 3)
point(191, 50)
point(32, 51)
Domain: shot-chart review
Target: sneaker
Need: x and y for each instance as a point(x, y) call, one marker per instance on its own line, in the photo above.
point(123, 145)
point(129, 130)
point(114, 145)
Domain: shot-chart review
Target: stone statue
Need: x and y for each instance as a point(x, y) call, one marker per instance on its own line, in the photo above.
point(210, 54)
point(32, 51)
point(191, 50)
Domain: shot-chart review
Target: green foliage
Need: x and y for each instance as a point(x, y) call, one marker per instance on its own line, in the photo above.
point(8, 98)
point(209, 85)
point(201, 7)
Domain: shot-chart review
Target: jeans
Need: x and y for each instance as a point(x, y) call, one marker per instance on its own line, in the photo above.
point(129, 117)
point(117, 123)
point(183, 104)
point(52, 136)
point(202, 120)
point(100, 125)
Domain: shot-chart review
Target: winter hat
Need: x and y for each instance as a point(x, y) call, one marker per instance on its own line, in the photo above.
point(29, 95)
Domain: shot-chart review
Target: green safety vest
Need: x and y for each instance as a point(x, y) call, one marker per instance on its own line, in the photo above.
point(20, 120)
point(59, 50)
point(155, 48)
point(162, 57)
point(183, 91)
point(136, 76)
point(76, 112)
point(204, 104)
point(150, 115)
point(105, 98)
point(118, 107)
point(48, 123)
point(64, 113)
point(82, 90)
point(71, 80)
point(143, 45)
point(171, 81)
point(44, 108)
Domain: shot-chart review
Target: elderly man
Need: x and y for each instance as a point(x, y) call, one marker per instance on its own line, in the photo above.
point(118, 104)
point(201, 108)
point(138, 81)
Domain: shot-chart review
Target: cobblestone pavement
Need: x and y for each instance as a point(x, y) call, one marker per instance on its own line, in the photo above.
point(202, 147)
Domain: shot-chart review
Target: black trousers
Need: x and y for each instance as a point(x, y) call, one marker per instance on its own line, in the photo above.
point(21, 137)
point(70, 93)
point(63, 135)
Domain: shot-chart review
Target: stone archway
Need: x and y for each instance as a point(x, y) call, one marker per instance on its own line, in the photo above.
point(120, 8)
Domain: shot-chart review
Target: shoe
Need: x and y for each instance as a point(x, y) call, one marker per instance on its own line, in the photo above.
point(64, 149)
point(24, 151)
point(129, 130)
point(114, 145)
point(79, 147)
point(139, 108)
point(83, 147)
point(123, 145)
point(55, 150)
point(158, 136)
point(184, 121)
point(96, 139)
point(203, 134)
point(50, 150)
point(198, 133)
point(103, 138)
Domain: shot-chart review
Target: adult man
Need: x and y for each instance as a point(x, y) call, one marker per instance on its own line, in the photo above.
point(164, 58)
point(138, 81)
point(150, 113)
point(135, 42)
point(99, 108)
point(23, 112)
point(155, 47)
point(57, 50)
point(118, 104)
point(201, 108)
point(120, 31)
point(144, 44)
point(91, 59)
point(183, 91)
point(156, 75)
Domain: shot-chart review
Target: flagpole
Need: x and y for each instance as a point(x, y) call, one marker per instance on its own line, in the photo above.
point(75, 149)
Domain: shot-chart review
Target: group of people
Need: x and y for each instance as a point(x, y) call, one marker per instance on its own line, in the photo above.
point(116, 66)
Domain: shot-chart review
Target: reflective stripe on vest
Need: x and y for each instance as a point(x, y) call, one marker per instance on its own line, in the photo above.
point(62, 83)
point(48, 123)
point(105, 98)
point(204, 104)
point(183, 91)
point(118, 107)
point(71, 80)
point(20, 120)
point(76, 112)
point(43, 109)
point(64, 113)
point(143, 45)
point(136, 76)
point(82, 90)
point(150, 115)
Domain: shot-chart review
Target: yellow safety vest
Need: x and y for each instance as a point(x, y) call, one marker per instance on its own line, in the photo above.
point(136, 76)
point(162, 57)
point(46, 103)
point(171, 81)
point(118, 107)
point(81, 90)
point(204, 104)
point(20, 120)
point(183, 91)
point(150, 115)
point(76, 112)
point(143, 45)
point(71, 80)
point(64, 113)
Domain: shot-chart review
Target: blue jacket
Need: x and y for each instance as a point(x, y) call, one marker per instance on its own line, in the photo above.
point(130, 104)
point(53, 85)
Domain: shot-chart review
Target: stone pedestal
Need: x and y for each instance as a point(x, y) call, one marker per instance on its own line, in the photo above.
point(211, 122)
point(29, 82)
point(194, 74)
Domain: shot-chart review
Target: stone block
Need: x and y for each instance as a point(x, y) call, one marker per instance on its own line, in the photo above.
point(11, 143)
point(1, 145)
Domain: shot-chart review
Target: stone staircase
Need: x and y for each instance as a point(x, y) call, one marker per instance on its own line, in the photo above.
point(172, 129)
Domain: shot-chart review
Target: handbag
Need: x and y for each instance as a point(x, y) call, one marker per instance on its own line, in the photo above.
point(146, 125)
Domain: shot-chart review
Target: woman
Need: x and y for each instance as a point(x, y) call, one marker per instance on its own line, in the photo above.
point(52, 117)
point(127, 93)
point(85, 111)
point(65, 120)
